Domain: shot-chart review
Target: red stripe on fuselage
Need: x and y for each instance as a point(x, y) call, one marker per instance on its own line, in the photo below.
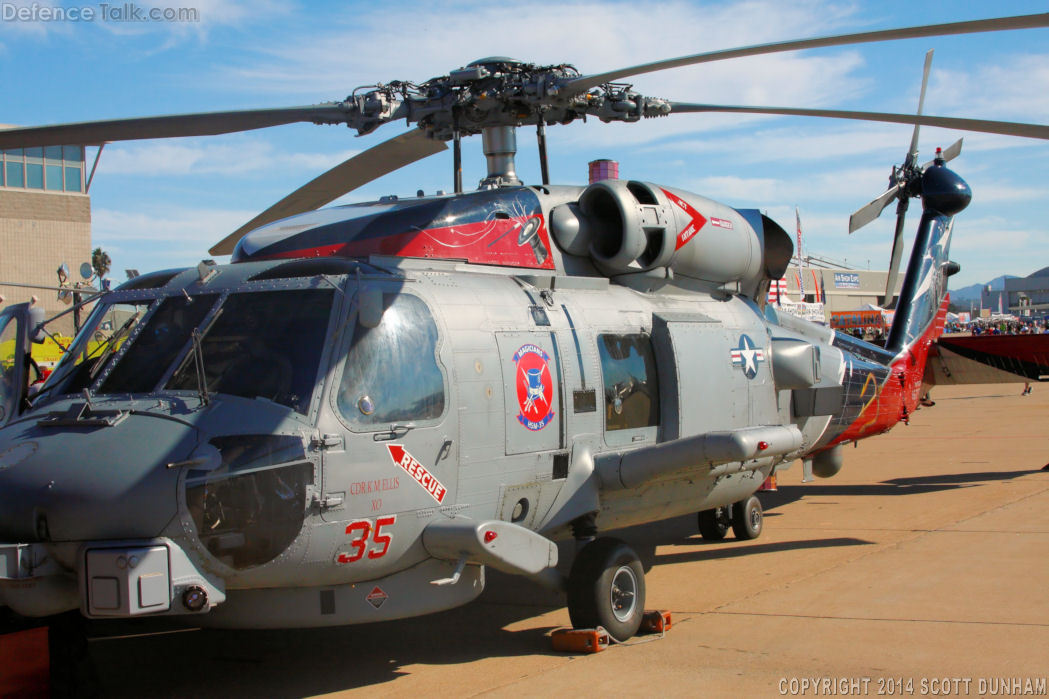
point(491, 242)
point(898, 396)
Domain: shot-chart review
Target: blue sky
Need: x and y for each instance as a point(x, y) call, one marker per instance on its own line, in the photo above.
point(162, 203)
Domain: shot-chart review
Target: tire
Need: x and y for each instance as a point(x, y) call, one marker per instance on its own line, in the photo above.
point(747, 518)
point(606, 588)
point(714, 524)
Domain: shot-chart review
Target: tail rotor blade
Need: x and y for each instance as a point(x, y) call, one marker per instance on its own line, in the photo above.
point(897, 250)
point(912, 153)
point(344, 177)
point(872, 210)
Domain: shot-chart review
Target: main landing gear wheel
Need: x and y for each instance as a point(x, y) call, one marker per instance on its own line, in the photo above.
point(714, 524)
point(747, 518)
point(606, 587)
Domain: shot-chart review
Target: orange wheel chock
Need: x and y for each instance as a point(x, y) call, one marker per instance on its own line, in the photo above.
point(655, 621)
point(579, 640)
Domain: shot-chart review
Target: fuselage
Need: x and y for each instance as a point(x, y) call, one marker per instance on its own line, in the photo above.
point(287, 429)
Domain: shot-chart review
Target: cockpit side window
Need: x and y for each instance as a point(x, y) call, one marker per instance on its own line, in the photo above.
point(265, 344)
point(391, 373)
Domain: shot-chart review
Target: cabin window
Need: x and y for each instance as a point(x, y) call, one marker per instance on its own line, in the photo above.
point(631, 382)
point(391, 372)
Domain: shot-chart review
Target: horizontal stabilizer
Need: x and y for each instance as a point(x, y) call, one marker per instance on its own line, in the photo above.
point(988, 359)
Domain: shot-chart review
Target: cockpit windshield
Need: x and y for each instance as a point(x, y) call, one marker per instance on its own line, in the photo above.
point(265, 344)
point(165, 335)
point(106, 331)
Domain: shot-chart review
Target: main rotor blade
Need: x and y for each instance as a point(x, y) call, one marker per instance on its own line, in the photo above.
point(1007, 128)
point(176, 125)
point(872, 210)
point(948, 154)
point(586, 82)
point(345, 177)
point(912, 152)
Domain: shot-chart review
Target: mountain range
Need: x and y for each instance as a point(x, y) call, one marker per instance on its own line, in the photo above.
point(972, 292)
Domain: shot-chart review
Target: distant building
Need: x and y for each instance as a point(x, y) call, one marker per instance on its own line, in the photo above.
point(991, 301)
point(839, 288)
point(1029, 296)
point(45, 220)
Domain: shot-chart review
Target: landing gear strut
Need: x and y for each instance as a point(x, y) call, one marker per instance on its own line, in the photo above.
point(745, 517)
point(714, 524)
point(606, 587)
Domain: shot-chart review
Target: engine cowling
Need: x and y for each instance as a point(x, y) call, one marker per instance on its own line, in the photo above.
point(622, 226)
point(628, 227)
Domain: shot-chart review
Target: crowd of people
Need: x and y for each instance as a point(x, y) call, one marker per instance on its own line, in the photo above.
point(1018, 327)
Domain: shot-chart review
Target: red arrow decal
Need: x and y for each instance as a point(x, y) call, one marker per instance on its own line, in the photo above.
point(416, 470)
point(696, 220)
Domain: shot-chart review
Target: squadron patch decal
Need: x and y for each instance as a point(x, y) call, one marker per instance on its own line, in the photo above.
point(535, 387)
point(748, 356)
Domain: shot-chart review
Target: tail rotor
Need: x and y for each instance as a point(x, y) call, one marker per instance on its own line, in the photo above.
point(904, 183)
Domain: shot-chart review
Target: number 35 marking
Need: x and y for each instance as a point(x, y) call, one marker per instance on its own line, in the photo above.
point(367, 538)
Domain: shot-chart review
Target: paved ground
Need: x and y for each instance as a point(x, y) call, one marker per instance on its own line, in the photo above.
point(925, 560)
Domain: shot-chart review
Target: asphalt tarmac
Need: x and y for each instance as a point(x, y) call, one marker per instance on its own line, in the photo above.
point(919, 570)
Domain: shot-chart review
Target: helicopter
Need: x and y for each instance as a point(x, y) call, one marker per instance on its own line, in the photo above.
point(373, 403)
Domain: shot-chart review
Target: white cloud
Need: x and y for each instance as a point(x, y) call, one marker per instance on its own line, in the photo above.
point(836, 186)
point(164, 236)
point(796, 144)
point(181, 157)
point(1016, 87)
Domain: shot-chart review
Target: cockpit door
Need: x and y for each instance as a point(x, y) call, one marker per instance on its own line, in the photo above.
point(14, 353)
point(395, 402)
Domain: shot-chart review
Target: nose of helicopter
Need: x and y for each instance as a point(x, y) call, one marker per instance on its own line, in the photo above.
point(107, 479)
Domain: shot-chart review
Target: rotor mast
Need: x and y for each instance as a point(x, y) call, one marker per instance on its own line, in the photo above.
point(500, 148)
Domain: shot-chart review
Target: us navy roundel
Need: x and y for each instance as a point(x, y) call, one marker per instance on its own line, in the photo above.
point(535, 387)
point(748, 356)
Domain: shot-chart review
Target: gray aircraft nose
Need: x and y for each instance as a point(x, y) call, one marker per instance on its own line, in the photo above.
point(77, 483)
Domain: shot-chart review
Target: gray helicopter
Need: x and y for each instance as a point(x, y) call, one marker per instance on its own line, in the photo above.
point(373, 403)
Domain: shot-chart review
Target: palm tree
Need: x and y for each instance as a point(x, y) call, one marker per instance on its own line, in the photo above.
point(100, 263)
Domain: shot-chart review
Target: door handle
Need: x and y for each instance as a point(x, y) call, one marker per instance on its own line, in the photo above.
point(395, 432)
